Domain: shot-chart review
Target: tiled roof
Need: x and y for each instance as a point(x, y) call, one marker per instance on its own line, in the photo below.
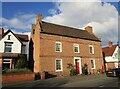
point(108, 51)
point(21, 37)
point(54, 29)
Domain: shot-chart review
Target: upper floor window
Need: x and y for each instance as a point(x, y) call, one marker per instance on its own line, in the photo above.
point(91, 49)
point(8, 47)
point(9, 37)
point(76, 48)
point(58, 47)
point(92, 64)
point(58, 64)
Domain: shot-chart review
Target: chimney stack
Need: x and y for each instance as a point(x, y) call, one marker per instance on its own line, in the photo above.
point(33, 28)
point(110, 44)
point(89, 29)
point(1, 31)
point(39, 18)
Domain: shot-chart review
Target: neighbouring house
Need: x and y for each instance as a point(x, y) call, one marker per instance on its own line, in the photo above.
point(111, 55)
point(54, 46)
point(11, 47)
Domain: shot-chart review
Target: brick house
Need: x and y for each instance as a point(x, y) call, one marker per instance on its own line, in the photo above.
point(12, 45)
point(111, 56)
point(54, 46)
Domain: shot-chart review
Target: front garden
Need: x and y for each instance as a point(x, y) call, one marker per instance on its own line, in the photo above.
point(19, 72)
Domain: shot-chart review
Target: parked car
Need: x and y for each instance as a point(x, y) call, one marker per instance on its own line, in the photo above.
point(113, 72)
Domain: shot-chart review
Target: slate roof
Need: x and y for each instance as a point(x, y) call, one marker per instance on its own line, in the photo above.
point(50, 28)
point(108, 51)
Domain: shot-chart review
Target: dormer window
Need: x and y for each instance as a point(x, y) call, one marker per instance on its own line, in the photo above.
point(9, 37)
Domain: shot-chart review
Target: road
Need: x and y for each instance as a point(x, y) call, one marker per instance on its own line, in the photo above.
point(74, 81)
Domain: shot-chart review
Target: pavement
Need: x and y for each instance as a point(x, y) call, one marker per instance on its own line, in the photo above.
point(93, 80)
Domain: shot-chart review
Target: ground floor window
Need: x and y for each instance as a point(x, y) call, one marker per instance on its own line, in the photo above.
point(58, 64)
point(6, 64)
point(92, 64)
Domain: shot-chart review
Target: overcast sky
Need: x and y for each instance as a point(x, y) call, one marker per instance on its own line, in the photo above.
point(103, 17)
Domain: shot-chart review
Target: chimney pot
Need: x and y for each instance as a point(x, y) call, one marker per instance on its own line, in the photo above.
point(39, 18)
point(110, 44)
point(89, 29)
point(1, 31)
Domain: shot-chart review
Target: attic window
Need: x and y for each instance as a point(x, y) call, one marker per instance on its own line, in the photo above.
point(9, 37)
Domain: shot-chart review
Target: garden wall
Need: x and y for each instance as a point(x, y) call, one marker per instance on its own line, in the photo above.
point(8, 78)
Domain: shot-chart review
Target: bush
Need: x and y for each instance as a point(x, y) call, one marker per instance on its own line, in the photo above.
point(21, 63)
point(14, 71)
point(85, 69)
point(73, 72)
point(99, 71)
point(72, 69)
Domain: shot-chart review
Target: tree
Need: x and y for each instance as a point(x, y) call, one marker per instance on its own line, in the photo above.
point(21, 62)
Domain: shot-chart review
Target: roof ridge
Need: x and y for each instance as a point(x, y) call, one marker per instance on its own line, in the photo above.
point(110, 47)
point(63, 26)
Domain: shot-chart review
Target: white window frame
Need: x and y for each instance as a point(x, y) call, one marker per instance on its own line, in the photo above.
point(61, 65)
point(92, 49)
point(76, 45)
point(94, 64)
point(6, 60)
point(8, 46)
point(60, 47)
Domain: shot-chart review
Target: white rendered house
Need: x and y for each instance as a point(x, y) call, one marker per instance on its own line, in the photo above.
point(111, 55)
point(12, 45)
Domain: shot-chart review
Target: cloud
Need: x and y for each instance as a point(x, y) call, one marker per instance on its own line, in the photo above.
point(21, 23)
point(103, 17)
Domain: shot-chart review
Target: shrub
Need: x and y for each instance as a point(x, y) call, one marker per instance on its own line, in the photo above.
point(72, 69)
point(14, 71)
point(85, 69)
point(21, 62)
point(99, 70)
point(73, 72)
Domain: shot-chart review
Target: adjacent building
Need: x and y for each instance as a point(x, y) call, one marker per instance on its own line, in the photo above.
point(111, 55)
point(54, 46)
point(11, 47)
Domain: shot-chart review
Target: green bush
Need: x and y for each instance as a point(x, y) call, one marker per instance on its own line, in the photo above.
point(73, 72)
point(99, 70)
point(85, 69)
point(72, 69)
point(13, 71)
point(21, 63)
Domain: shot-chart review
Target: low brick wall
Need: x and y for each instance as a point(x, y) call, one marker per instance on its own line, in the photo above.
point(8, 78)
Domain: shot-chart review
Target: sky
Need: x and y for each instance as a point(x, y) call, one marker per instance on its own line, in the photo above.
point(102, 16)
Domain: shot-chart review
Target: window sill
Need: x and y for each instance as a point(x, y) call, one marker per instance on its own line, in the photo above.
point(58, 71)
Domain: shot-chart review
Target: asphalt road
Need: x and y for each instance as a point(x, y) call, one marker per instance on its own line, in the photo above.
point(74, 81)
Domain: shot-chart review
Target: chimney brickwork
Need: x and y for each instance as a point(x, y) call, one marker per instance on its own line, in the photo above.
point(110, 44)
point(89, 29)
point(1, 31)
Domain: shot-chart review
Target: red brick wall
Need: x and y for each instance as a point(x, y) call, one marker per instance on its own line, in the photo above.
point(48, 54)
point(44, 54)
point(17, 77)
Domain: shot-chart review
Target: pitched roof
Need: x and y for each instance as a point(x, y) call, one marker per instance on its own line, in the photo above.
point(54, 29)
point(108, 51)
point(21, 37)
